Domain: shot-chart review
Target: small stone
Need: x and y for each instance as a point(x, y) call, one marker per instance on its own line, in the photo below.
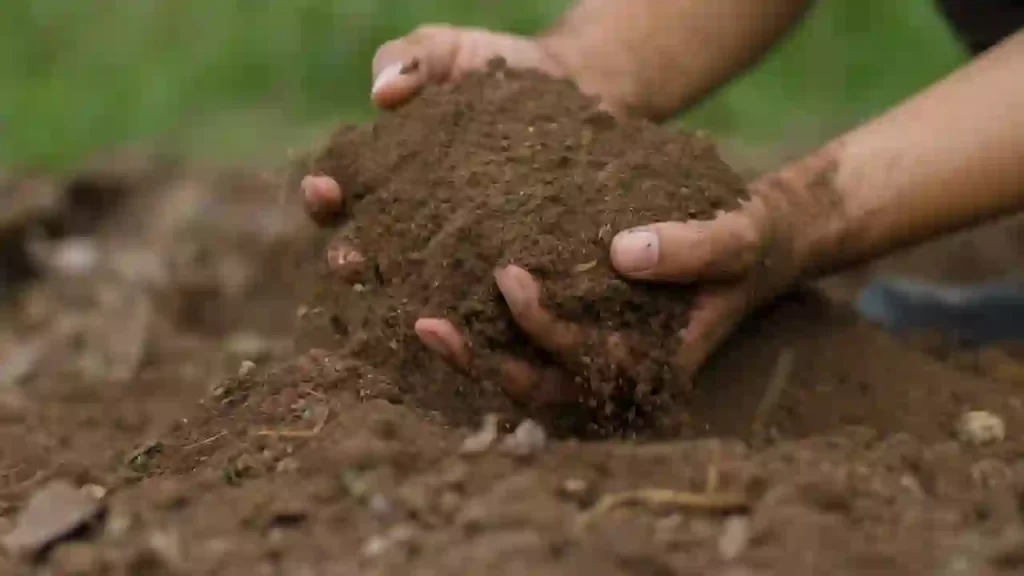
point(95, 490)
point(577, 490)
point(528, 439)
point(979, 428)
point(397, 537)
point(246, 368)
point(75, 256)
point(735, 537)
point(53, 512)
point(481, 441)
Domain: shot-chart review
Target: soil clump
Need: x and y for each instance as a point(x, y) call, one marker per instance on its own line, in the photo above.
point(514, 167)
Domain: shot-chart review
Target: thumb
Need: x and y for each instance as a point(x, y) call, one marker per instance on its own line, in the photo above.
point(720, 249)
point(403, 66)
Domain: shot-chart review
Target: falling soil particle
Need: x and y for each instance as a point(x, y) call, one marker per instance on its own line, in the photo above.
point(514, 167)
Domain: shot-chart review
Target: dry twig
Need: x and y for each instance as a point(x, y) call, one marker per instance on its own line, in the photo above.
point(661, 497)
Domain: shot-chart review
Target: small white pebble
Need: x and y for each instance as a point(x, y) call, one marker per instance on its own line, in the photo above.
point(979, 427)
point(481, 440)
point(528, 438)
point(246, 368)
point(396, 536)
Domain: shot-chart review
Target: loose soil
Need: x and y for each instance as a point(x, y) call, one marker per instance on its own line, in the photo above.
point(513, 167)
point(147, 356)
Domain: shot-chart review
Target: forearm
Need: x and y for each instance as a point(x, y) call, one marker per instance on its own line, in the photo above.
point(655, 57)
point(949, 158)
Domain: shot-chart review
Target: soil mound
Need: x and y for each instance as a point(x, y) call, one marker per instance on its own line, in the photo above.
point(511, 167)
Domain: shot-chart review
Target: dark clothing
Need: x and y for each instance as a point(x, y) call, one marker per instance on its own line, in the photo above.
point(981, 24)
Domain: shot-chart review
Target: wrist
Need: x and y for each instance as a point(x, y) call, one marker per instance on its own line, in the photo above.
point(807, 212)
point(613, 80)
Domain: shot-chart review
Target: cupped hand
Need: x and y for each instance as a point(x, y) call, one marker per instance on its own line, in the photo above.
point(735, 262)
point(435, 53)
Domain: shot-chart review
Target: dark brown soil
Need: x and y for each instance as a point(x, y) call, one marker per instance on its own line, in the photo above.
point(158, 374)
point(512, 167)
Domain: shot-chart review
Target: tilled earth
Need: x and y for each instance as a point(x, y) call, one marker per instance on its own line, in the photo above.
point(156, 418)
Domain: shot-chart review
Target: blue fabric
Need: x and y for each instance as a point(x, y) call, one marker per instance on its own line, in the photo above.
point(979, 314)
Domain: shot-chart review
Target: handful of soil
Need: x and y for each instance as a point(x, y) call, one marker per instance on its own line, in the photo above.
point(509, 166)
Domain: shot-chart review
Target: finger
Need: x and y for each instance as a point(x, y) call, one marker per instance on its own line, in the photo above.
point(719, 249)
point(444, 339)
point(322, 198)
point(528, 384)
point(346, 263)
point(403, 66)
point(714, 316)
point(522, 293)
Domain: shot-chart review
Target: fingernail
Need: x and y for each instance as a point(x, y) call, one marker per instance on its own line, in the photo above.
point(435, 344)
point(386, 76)
point(513, 286)
point(635, 251)
point(321, 192)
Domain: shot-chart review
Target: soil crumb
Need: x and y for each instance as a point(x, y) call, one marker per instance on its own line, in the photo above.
point(513, 167)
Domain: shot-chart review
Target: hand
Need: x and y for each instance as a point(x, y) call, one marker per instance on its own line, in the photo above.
point(430, 54)
point(738, 261)
point(443, 53)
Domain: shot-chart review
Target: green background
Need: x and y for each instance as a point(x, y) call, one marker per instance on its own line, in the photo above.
point(229, 80)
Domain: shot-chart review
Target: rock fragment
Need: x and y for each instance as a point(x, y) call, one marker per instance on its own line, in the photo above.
point(54, 512)
point(980, 428)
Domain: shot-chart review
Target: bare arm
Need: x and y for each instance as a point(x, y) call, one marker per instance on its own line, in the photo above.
point(653, 58)
point(648, 58)
point(948, 158)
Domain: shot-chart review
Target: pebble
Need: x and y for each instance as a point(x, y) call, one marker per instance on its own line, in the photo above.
point(482, 439)
point(396, 537)
point(246, 368)
point(54, 511)
point(528, 439)
point(74, 257)
point(979, 428)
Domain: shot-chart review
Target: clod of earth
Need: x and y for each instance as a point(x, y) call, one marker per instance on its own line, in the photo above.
point(513, 167)
point(54, 512)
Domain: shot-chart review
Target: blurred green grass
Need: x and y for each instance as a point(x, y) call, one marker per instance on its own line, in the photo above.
point(235, 79)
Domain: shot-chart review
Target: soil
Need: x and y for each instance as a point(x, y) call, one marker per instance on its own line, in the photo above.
point(148, 357)
point(513, 167)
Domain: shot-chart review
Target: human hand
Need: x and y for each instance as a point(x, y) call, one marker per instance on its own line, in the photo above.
point(735, 263)
point(439, 53)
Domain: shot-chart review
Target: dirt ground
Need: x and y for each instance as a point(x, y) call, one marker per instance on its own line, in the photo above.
point(158, 417)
